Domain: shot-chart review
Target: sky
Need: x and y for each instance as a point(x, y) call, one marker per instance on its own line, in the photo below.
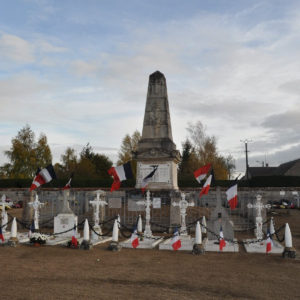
point(78, 72)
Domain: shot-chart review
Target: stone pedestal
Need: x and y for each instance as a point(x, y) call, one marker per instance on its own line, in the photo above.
point(187, 244)
point(260, 247)
point(146, 243)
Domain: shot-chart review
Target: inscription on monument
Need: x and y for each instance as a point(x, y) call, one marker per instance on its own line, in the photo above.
point(161, 175)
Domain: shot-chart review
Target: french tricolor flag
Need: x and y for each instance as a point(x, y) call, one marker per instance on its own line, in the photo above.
point(134, 239)
point(222, 242)
point(269, 243)
point(201, 173)
point(231, 194)
point(43, 176)
point(206, 186)
point(1, 234)
point(119, 174)
point(176, 242)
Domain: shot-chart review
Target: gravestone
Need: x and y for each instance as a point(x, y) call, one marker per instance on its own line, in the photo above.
point(219, 217)
point(156, 146)
point(66, 219)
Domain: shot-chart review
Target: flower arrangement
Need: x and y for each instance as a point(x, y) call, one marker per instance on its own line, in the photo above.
point(38, 238)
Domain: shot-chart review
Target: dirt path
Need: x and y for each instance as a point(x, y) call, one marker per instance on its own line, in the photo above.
point(46, 272)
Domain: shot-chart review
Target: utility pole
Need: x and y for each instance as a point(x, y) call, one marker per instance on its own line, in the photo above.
point(246, 152)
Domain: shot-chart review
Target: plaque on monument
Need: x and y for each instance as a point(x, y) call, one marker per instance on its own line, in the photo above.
point(156, 203)
point(115, 203)
point(133, 205)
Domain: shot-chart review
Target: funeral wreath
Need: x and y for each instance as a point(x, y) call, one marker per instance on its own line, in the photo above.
point(39, 238)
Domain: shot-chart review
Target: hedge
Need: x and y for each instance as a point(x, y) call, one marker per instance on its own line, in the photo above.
point(186, 182)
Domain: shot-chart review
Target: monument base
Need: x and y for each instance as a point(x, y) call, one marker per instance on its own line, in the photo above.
point(213, 246)
point(146, 243)
point(260, 247)
point(187, 243)
point(65, 222)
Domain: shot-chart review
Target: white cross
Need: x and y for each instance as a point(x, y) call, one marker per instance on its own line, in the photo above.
point(147, 203)
point(96, 204)
point(183, 205)
point(36, 204)
point(4, 217)
point(258, 206)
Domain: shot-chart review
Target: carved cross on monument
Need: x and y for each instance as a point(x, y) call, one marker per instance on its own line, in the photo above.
point(4, 217)
point(147, 203)
point(96, 204)
point(36, 204)
point(258, 206)
point(183, 205)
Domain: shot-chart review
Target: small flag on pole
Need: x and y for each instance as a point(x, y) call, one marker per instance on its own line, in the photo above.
point(31, 229)
point(201, 173)
point(1, 234)
point(176, 242)
point(269, 243)
point(222, 242)
point(74, 239)
point(119, 174)
point(68, 184)
point(43, 176)
point(206, 186)
point(134, 238)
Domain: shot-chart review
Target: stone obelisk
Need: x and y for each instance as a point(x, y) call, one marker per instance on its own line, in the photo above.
point(156, 147)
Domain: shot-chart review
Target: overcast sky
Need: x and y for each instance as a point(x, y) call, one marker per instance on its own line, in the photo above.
point(78, 71)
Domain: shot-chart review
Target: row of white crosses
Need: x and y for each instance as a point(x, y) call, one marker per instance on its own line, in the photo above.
point(259, 221)
point(183, 205)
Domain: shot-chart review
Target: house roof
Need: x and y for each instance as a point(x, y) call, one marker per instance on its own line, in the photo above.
point(270, 171)
point(283, 168)
point(262, 171)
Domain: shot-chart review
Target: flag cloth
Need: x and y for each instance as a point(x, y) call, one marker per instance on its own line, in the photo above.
point(68, 184)
point(119, 174)
point(31, 229)
point(148, 177)
point(206, 186)
point(43, 176)
point(202, 172)
point(222, 242)
point(269, 242)
point(74, 239)
point(231, 194)
point(1, 234)
point(134, 239)
point(176, 242)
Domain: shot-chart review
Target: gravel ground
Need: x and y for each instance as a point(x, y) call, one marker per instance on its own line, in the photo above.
point(45, 272)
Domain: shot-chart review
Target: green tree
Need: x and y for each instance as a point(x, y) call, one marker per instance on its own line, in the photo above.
point(93, 165)
point(129, 145)
point(206, 150)
point(26, 155)
point(188, 159)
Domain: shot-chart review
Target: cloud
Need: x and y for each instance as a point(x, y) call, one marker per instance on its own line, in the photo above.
point(16, 49)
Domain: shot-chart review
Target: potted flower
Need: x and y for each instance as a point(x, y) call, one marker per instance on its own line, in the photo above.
point(38, 238)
